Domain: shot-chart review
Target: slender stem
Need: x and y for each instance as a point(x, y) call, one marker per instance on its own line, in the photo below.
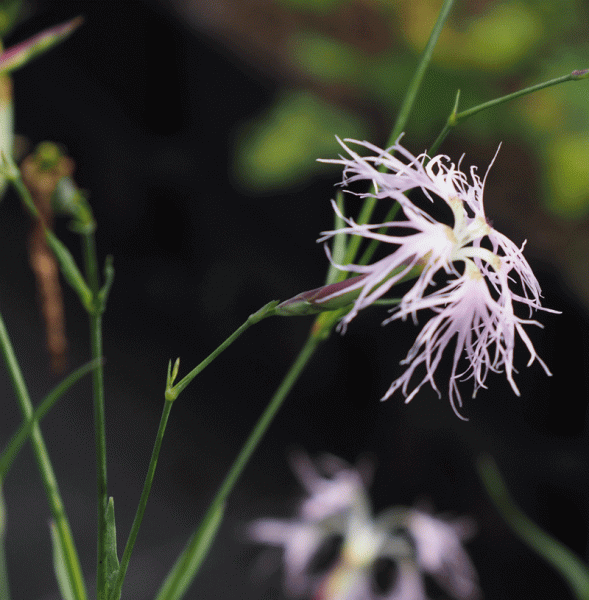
point(264, 421)
point(190, 560)
point(373, 245)
point(72, 563)
point(324, 324)
point(172, 391)
point(415, 83)
point(457, 117)
point(21, 436)
point(529, 90)
point(95, 317)
point(90, 261)
point(401, 121)
point(556, 554)
point(4, 588)
point(197, 544)
point(319, 332)
point(116, 590)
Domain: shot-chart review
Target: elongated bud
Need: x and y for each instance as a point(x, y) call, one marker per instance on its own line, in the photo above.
point(6, 122)
point(580, 74)
point(175, 370)
point(69, 200)
point(14, 57)
point(20, 54)
point(319, 300)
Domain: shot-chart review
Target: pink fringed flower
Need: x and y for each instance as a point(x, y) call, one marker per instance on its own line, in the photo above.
point(481, 268)
point(335, 549)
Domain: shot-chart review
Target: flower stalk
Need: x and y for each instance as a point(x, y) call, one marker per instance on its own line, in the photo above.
point(403, 116)
point(456, 117)
point(185, 569)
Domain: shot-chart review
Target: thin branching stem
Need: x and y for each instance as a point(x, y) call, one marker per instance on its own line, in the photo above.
point(64, 533)
point(401, 122)
point(95, 321)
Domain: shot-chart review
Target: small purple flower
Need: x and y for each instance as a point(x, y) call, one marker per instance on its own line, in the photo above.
point(481, 268)
point(335, 549)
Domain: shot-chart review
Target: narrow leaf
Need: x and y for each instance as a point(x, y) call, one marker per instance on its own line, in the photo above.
point(65, 586)
point(188, 563)
point(20, 437)
point(70, 270)
point(112, 559)
point(573, 570)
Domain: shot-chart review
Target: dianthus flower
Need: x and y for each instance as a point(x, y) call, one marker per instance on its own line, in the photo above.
point(482, 269)
point(335, 549)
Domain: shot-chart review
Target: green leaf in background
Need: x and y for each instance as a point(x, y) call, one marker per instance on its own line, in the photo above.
point(485, 53)
point(567, 169)
point(61, 574)
point(322, 7)
point(280, 148)
point(494, 41)
point(9, 13)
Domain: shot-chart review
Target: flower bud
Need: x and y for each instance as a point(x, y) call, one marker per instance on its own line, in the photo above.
point(20, 54)
point(320, 299)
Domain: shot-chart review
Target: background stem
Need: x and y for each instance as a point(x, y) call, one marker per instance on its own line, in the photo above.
point(179, 578)
point(400, 123)
point(95, 316)
point(116, 591)
point(70, 555)
point(457, 117)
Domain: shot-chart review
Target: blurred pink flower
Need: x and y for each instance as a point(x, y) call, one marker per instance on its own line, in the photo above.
point(481, 268)
point(336, 550)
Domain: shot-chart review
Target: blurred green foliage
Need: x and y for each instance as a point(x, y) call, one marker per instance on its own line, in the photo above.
point(10, 11)
point(281, 147)
point(487, 50)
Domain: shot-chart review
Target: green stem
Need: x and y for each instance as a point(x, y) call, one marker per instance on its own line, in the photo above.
point(569, 565)
point(4, 588)
point(401, 121)
point(323, 326)
point(416, 80)
point(457, 117)
point(20, 437)
point(267, 416)
point(95, 318)
point(72, 563)
point(194, 546)
point(373, 245)
point(173, 391)
point(115, 593)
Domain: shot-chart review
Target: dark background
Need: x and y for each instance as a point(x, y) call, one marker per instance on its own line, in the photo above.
point(148, 108)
